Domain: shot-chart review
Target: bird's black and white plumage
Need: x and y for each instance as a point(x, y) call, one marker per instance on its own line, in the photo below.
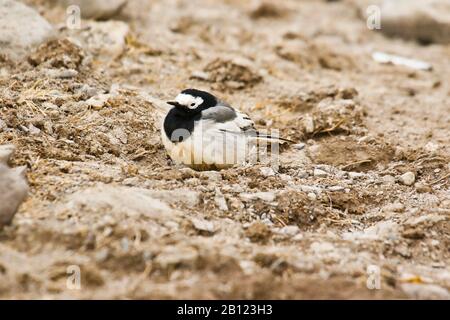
point(203, 132)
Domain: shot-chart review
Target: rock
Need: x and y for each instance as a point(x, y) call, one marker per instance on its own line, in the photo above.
point(119, 201)
point(355, 175)
point(289, 231)
point(264, 196)
point(220, 201)
point(97, 9)
point(308, 123)
point(299, 146)
point(174, 256)
point(13, 187)
point(102, 37)
point(388, 179)
point(312, 196)
point(322, 247)
point(310, 189)
point(185, 197)
point(267, 171)
point(22, 28)
point(428, 219)
point(431, 147)
point(383, 229)
point(424, 21)
point(320, 173)
point(425, 291)
point(6, 152)
point(394, 207)
point(200, 75)
point(62, 73)
point(203, 225)
point(336, 188)
point(407, 178)
point(211, 175)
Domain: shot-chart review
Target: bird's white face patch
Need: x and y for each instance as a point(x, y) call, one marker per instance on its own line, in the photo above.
point(188, 100)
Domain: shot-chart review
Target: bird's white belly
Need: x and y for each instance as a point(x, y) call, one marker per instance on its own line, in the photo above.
point(209, 148)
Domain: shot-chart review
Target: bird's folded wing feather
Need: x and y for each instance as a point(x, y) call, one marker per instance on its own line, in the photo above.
point(229, 120)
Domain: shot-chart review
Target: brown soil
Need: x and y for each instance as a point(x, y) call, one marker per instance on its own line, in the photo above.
point(295, 67)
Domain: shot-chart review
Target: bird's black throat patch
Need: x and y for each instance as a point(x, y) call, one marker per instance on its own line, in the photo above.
point(179, 124)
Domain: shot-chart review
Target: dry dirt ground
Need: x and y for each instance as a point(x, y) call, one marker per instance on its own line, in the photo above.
point(105, 198)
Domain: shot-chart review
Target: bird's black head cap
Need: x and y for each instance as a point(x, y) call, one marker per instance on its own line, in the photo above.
point(209, 100)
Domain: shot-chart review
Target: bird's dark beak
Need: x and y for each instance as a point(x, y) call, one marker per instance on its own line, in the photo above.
point(174, 103)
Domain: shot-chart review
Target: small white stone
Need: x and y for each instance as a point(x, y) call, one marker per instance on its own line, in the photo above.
point(407, 178)
point(203, 225)
point(312, 196)
point(336, 188)
point(310, 189)
point(264, 196)
point(308, 122)
point(320, 173)
point(220, 201)
point(299, 146)
point(267, 171)
point(355, 175)
point(289, 231)
point(285, 177)
point(388, 179)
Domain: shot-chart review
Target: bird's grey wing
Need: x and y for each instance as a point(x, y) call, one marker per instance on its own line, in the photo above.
point(220, 113)
point(240, 124)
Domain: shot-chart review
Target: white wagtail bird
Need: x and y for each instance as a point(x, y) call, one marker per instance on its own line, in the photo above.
point(205, 133)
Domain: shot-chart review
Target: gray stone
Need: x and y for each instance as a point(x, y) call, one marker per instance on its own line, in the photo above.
point(6, 152)
point(267, 171)
point(119, 201)
point(264, 196)
point(203, 225)
point(22, 28)
point(185, 197)
point(97, 9)
point(425, 20)
point(13, 188)
point(220, 201)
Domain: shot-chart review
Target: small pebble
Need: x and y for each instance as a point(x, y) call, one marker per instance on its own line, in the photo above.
point(407, 178)
point(355, 175)
point(312, 196)
point(336, 188)
point(388, 179)
point(267, 171)
point(320, 173)
point(298, 146)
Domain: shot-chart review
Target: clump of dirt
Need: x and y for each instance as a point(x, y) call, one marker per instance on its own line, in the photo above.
point(267, 10)
point(306, 101)
point(310, 55)
point(330, 116)
point(59, 53)
point(351, 153)
point(231, 74)
point(296, 208)
point(258, 232)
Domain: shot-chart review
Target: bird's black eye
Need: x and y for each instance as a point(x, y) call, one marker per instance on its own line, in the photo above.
point(192, 104)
